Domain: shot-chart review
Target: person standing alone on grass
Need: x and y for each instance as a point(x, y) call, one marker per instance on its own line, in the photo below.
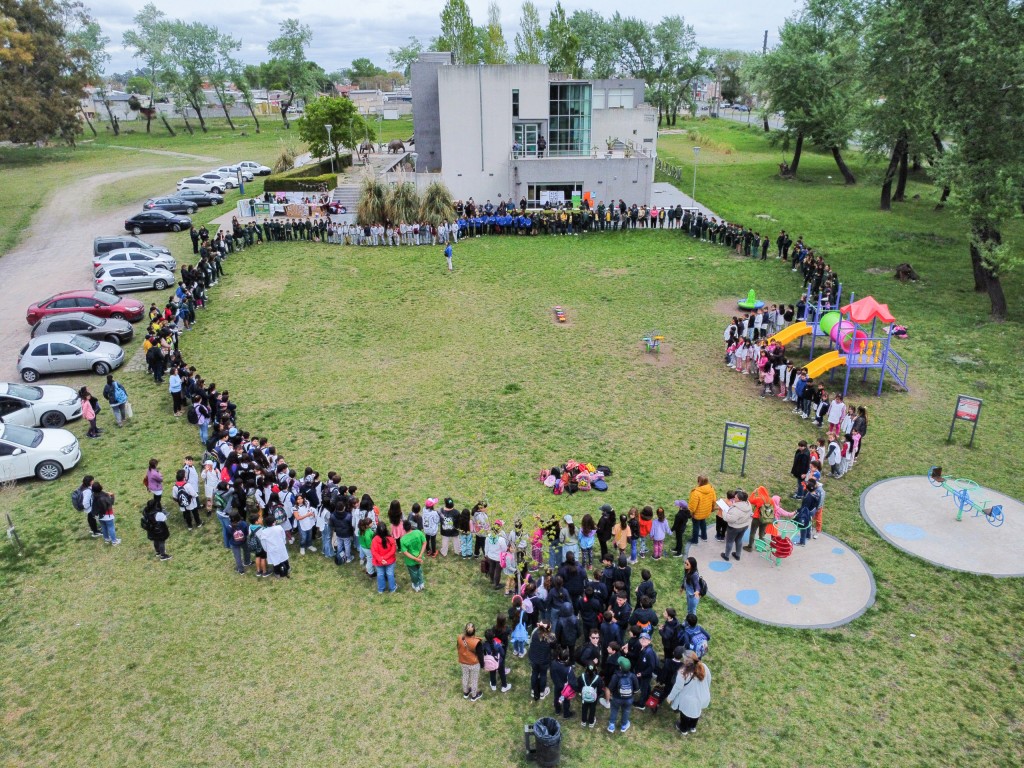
point(155, 522)
point(448, 256)
point(471, 659)
point(117, 397)
point(90, 410)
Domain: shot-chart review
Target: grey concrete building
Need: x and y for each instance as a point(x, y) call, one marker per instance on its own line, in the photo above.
point(520, 131)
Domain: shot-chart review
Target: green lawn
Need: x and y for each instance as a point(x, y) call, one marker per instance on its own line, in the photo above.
point(411, 383)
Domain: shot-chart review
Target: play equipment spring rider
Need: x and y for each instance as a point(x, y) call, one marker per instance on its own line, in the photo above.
point(653, 341)
point(856, 348)
point(559, 314)
point(960, 489)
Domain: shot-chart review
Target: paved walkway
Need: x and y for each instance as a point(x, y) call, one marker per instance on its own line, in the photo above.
point(665, 194)
point(912, 515)
point(822, 585)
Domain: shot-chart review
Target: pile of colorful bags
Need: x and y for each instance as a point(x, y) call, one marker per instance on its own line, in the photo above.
point(576, 476)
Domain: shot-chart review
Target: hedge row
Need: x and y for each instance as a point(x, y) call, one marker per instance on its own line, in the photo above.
point(281, 183)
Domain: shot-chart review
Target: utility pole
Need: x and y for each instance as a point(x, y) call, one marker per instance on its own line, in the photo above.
point(764, 52)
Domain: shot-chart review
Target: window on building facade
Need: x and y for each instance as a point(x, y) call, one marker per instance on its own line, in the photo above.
point(569, 119)
point(515, 102)
point(620, 97)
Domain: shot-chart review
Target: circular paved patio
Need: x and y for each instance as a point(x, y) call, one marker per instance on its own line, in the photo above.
point(824, 584)
point(913, 515)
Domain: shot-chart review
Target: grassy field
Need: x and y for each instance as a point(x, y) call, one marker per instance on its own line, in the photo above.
point(411, 382)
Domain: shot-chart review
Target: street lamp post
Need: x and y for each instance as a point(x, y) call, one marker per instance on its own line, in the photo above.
point(330, 146)
point(696, 154)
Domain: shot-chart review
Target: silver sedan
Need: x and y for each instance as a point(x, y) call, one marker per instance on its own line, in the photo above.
point(67, 353)
point(111, 278)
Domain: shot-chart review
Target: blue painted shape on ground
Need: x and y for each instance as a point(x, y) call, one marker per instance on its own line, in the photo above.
point(824, 578)
point(794, 599)
point(838, 550)
point(905, 531)
point(748, 597)
point(718, 566)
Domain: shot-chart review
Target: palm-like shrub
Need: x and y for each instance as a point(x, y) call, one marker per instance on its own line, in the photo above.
point(403, 203)
point(372, 199)
point(437, 204)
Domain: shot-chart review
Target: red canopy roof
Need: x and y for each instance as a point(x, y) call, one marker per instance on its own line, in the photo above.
point(863, 311)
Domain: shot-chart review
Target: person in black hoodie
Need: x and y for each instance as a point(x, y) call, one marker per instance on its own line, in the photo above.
point(539, 654)
point(604, 527)
point(623, 573)
point(341, 524)
point(568, 630)
point(621, 608)
point(801, 463)
point(562, 675)
point(591, 607)
point(157, 530)
point(591, 650)
point(646, 668)
point(669, 632)
point(644, 616)
point(679, 526)
point(573, 578)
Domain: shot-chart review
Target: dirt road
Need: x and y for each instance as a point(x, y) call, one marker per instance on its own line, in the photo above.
point(56, 252)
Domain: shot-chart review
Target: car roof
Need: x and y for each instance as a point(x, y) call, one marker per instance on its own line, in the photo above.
point(133, 249)
point(63, 336)
point(69, 316)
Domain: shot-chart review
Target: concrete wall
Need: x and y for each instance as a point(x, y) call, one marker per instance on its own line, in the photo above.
point(639, 126)
point(604, 178)
point(426, 108)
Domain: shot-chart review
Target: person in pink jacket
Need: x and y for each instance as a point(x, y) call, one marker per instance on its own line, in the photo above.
point(154, 482)
point(89, 407)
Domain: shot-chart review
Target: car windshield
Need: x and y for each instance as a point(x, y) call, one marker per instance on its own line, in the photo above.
point(144, 244)
point(24, 436)
point(97, 322)
point(102, 298)
point(83, 343)
point(25, 393)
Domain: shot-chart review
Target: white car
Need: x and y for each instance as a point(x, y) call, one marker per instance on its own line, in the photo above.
point(225, 180)
point(135, 257)
point(67, 353)
point(43, 453)
point(36, 406)
point(233, 170)
point(256, 168)
point(202, 184)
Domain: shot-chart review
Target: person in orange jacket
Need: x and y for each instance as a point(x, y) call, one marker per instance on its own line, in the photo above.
point(702, 505)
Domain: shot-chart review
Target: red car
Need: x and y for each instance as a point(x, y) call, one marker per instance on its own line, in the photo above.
point(93, 302)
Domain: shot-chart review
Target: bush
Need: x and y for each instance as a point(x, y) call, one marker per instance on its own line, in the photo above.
point(288, 183)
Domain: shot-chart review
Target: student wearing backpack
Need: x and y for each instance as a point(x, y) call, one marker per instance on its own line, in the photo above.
point(621, 688)
point(693, 585)
point(693, 637)
point(449, 527)
point(646, 668)
point(117, 397)
point(691, 693)
point(272, 537)
point(590, 687)
point(187, 503)
point(604, 527)
point(561, 678)
point(154, 521)
point(240, 542)
point(81, 500)
point(256, 546)
point(431, 526)
point(103, 508)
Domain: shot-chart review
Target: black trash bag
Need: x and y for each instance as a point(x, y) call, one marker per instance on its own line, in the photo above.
point(548, 731)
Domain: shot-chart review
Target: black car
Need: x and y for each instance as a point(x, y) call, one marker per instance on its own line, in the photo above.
point(156, 221)
point(199, 197)
point(84, 324)
point(173, 204)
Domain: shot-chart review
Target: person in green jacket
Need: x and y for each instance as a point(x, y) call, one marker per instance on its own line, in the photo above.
point(412, 545)
point(366, 533)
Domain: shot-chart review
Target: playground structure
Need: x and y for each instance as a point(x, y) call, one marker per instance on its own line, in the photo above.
point(559, 314)
point(850, 343)
point(751, 303)
point(652, 341)
point(960, 489)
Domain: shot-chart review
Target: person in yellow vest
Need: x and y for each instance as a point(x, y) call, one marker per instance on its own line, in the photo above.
point(702, 505)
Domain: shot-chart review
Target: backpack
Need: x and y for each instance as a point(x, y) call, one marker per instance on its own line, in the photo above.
point(78, 499)
point(146, 522)
point(702, 586)
point(625, 687)
point(238, 536)
point(519, 634)
point(588, 693)
point(604, 470)
point(599, 485)
point(698, 641)
point(183, 497)
point(278, 512)
point(255, 546)
point(192, 416)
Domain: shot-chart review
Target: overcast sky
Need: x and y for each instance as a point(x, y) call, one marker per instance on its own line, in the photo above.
point(350, 30)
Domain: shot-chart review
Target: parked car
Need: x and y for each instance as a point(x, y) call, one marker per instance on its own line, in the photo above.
point(102, 245)
point(172, 204)
point(67, 353)
point(114, 278)
point(256, 168)
point(199, 197)
point(156, 221)
point(742, 108)
point(43, 453)
point(85, 324)
point(247, 175)
point(199, 184)
point(136, 256)
point(94, 302)
point(224, 180)
point(38, 406)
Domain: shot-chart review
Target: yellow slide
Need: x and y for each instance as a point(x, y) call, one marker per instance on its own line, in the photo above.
point(795, 331)
point(826, 362)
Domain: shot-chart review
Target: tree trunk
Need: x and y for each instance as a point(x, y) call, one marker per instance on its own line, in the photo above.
point(989, 238)
point(113, 123)
point(166, 125)
point(285, 106)
point(843, 168)
point(220, 96)
point(199, 114)
point(940, 150)
point(890, 174)
point(252, 112)
point(149, 119)
point(979, 273)
point(942, 200)
point(188, 126)
point(793, 166)
point(88, 121)
point(901, 181)
point(764, 117)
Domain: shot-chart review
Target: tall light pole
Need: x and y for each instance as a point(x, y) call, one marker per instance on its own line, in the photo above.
point(330, 146)
point(696, 154)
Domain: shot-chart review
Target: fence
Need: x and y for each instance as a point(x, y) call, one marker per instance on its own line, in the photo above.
point(672, 171)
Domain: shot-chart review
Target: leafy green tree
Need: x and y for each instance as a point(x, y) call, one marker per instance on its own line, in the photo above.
point(222, 71)
point(347, 126)
point(151, 40)
point(529, 41)
point(90, 38)
point(362, 70)
point(561, 44)
point(731, 70)
point(289, 67)
point(235, 70)
point(495, 49)
point(597, 53)
point(194, 49)
point(43, 72)
point(458, 34)
point(405, 56)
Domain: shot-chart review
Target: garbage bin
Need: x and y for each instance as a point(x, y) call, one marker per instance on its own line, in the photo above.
point(547, 734)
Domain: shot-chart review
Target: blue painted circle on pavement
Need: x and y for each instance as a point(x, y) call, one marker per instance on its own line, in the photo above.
point(719, 567)
point(837, 550)
point(748, 597)
point(794, 599)
point(905, 531)
point(824, 578)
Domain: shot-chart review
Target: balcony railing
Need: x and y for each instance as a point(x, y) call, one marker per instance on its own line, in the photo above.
point(594, 154)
